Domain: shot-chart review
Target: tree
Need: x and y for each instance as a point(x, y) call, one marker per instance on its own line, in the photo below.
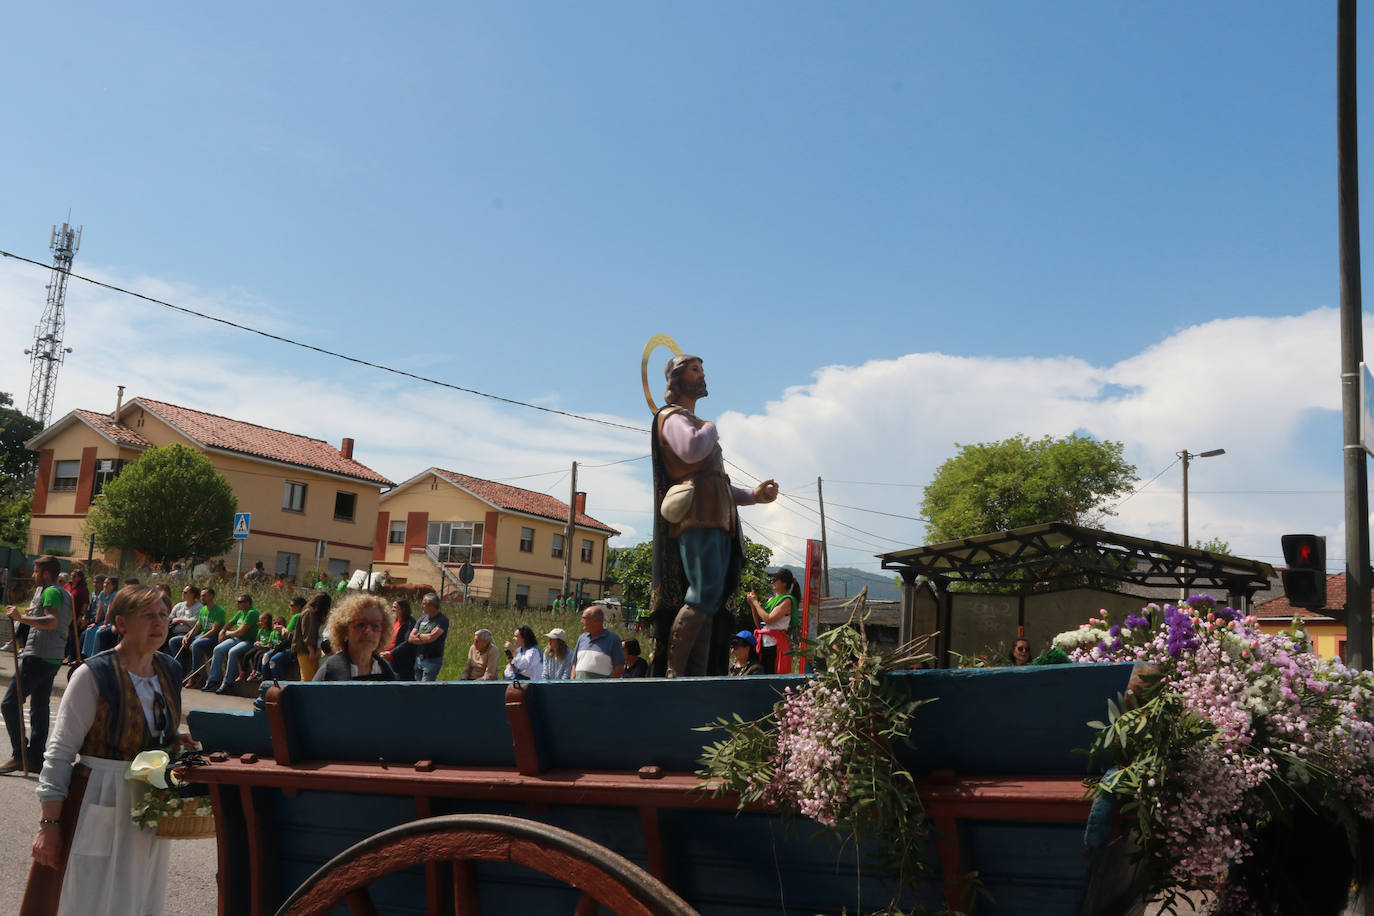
point(17, 463)
point(17, 466)
point(170, 504)
point(632, 569)
point(997, 486)
point(1214, 545)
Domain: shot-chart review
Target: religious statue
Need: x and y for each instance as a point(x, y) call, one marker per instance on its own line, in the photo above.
point(698, 547)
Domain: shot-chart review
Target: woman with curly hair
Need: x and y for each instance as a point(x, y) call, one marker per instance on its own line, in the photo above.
point(355, 630)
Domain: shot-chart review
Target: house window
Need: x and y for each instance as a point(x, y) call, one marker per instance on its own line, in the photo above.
point(456, 542)
point(64, 475)
point(288, 564)
point(557, 546)
point(527, 540)
point(522, 596)
point(398, 533)
point(106, 469)
point(586, 551)
point(293, 499)
point(56, 544)
point(345, 504)
point(553, 593)
point(338, 568)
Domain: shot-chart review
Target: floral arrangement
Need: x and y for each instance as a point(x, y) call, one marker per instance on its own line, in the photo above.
point(826, 752)
point(1235, 752)
point(157, 792)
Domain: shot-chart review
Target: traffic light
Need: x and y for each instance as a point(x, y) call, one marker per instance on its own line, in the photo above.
point(1304, 581)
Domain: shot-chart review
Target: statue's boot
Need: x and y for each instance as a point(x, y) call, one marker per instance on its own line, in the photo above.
point(690, 626)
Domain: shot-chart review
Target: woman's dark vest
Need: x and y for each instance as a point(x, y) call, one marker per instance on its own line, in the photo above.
point(120, 729)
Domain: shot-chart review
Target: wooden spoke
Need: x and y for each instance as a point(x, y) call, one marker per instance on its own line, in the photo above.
point(604, 878)
point(465, 899)
point(360, 903)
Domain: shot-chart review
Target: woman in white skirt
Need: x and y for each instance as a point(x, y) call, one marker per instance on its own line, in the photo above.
point(118, 704)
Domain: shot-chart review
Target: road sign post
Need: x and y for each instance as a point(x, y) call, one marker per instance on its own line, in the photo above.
point(242, 522)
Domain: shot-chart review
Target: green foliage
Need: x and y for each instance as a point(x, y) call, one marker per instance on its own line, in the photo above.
point(16, 508)
point(1215, 545)
point(170, 504)
point(17, 463)
point(997, 486)
point(17, 467)
point(632, 569)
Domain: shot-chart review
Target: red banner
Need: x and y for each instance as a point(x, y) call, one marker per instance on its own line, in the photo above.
point(811, 592)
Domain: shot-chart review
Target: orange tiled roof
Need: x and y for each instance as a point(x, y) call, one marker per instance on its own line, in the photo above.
point(1279, 608)
point(260, 441)
point(121, 434)
point(518, 499)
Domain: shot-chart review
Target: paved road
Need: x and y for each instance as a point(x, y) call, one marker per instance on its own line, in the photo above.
point(191, 886)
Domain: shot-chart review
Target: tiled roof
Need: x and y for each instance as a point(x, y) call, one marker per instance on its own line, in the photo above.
point(121, 434)
point(215, 431)
point(1279, 608)
point(517, 499)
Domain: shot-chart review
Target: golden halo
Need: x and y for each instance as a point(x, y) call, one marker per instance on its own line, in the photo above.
point(658, 340)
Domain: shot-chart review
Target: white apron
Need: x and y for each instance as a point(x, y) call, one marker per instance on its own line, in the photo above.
point(116, 868)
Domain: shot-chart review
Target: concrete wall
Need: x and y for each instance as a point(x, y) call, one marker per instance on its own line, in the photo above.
point(979, 622)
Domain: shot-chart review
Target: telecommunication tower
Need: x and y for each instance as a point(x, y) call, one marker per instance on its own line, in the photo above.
point(47, 353)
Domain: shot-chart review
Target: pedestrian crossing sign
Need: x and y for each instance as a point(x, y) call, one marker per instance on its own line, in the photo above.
point(241, 525)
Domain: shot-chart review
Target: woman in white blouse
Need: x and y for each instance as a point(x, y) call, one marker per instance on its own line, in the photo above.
point(119, 703)
point(525, 657)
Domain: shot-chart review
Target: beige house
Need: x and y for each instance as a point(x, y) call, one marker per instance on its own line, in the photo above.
point(307, 499)
point(515, 539)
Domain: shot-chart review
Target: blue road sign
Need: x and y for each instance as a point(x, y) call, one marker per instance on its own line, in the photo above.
point(241, 520)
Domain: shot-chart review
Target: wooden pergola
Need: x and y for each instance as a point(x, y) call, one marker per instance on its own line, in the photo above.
point(1058, 555)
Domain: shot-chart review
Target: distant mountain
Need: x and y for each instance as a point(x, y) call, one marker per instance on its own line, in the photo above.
point(845, 581)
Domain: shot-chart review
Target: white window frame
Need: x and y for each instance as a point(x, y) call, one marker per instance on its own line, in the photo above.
point(65, 483)
point(396, 528)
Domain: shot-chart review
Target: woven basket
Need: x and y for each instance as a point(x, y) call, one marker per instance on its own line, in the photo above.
point(186, 826)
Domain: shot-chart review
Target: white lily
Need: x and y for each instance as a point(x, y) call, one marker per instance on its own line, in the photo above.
point(150, 767)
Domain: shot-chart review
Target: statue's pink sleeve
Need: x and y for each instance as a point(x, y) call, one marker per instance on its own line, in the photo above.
point(688, 442)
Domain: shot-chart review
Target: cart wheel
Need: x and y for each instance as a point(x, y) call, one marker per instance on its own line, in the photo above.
point(605, 878)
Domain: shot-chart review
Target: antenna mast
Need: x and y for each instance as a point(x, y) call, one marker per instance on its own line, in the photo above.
point(47, 353)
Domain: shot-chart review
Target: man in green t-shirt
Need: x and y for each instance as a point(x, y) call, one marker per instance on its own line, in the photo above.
point(49, 619)
point(204, 634)
point(236, 639)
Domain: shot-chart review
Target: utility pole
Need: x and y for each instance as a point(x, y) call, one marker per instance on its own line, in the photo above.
point(1357, 572)
point(47, 352)
point(825, 551)
point(568, 533)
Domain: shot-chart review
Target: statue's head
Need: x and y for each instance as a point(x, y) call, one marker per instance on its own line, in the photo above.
point(685, 377)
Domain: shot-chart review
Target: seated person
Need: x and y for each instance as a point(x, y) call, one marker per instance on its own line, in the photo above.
point(744, 656)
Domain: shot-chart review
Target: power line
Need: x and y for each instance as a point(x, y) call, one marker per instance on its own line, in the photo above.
point(336, 355)
point(913, 518)
point(1118, 505)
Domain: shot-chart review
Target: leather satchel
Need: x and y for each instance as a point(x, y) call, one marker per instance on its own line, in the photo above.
point(677, 502)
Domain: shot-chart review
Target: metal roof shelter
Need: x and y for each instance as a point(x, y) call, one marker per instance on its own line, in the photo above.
point(1054, 553)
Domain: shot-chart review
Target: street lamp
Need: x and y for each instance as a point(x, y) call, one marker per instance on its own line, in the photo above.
point(1189, 456)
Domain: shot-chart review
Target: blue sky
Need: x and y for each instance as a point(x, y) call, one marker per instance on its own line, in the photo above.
point(514, 197)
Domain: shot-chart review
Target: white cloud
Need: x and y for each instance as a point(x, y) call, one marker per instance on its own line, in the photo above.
point(1246, 384)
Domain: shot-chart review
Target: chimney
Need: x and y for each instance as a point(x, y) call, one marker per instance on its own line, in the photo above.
point(119, 403)
point(347, 448)
point(580, 502)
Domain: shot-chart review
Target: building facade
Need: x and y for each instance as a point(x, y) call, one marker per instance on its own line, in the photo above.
point(515, 539)
point(312, 505)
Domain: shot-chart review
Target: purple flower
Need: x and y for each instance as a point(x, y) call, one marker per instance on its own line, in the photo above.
point(1136, 622)
point(1226, 614)
point(1115, 630)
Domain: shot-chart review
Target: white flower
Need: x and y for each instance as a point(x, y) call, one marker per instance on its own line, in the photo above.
point(150, 767)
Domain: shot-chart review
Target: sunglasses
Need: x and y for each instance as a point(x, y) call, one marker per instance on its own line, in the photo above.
point(160, 715)
point(368, 625)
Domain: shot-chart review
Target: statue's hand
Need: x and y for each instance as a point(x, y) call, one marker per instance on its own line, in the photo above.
point(766, 492)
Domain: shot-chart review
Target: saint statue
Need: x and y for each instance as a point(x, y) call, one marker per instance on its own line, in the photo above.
point(698, 547)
